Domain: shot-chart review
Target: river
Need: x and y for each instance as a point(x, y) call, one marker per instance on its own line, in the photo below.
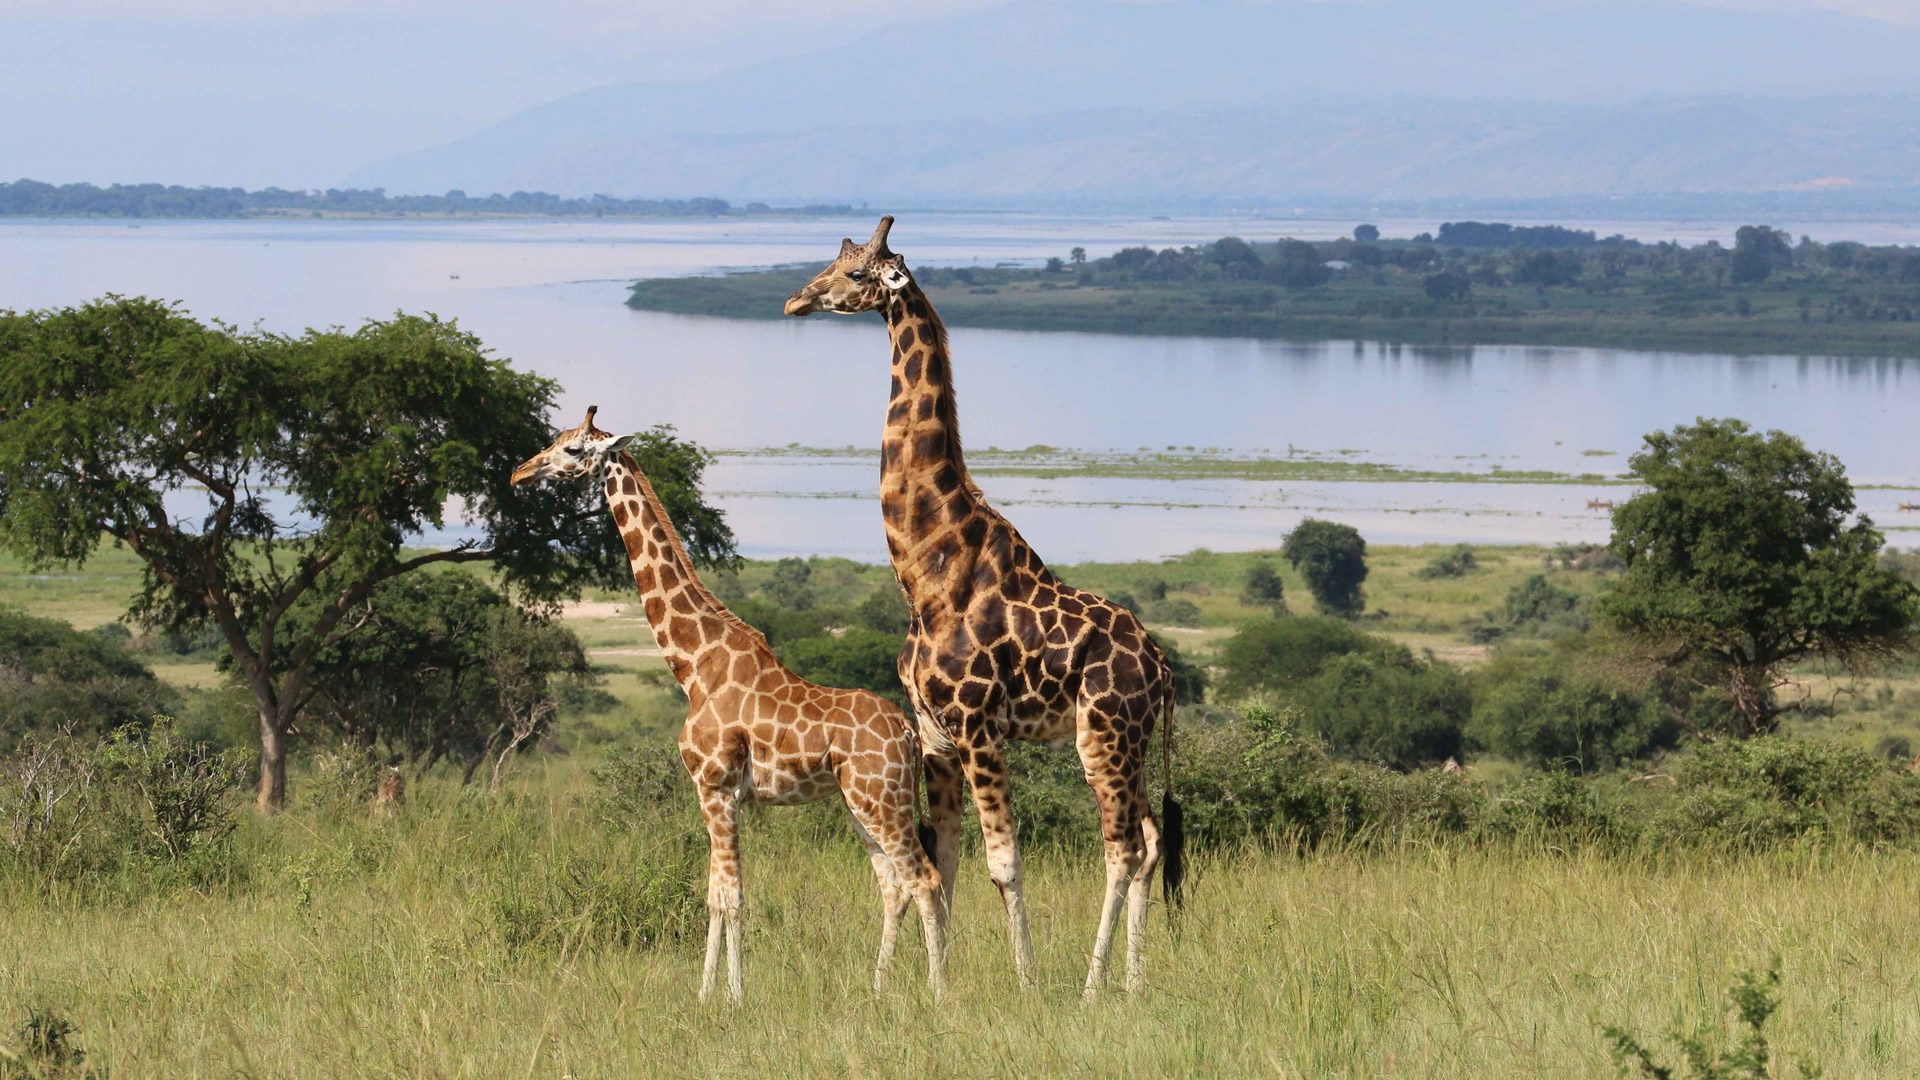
point(548, 295)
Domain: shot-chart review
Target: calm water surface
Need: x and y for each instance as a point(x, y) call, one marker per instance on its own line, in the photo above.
point(548, 295)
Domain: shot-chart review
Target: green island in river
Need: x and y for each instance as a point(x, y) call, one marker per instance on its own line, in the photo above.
point(1473, 284)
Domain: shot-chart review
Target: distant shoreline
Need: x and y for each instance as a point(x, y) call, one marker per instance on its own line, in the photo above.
point(1839, 300)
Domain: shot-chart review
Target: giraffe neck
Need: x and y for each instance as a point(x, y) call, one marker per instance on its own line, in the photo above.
point(669, 589)
point(924, 486)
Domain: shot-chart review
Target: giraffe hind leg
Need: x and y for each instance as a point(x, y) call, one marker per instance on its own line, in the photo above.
point(1117, 782)
point(907, 876)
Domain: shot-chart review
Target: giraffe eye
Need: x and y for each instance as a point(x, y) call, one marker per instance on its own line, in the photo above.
point(574, 450)
point(857, 275)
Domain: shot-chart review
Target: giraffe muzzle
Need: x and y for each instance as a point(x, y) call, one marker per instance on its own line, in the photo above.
point(801, 304)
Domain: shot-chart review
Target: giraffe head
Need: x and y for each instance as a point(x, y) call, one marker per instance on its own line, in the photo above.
point(860, 279)
point(577, 452)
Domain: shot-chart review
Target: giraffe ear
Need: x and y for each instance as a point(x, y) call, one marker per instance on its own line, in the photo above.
point(620, 443)
point(894, 275)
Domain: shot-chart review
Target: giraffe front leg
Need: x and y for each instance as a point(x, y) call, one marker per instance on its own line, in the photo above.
point(993, 799)
point(724, 892)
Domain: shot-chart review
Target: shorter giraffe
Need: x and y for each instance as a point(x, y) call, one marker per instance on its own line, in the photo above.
point(756, 731)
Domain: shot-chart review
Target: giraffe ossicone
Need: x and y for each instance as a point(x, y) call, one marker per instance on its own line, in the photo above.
point(997, 647)
point(755, 731)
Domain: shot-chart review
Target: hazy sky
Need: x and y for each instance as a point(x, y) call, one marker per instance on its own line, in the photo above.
point(299, 92)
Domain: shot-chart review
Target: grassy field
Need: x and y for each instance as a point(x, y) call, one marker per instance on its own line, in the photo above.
point(371, 948)
point(490, 935)
point(1697, 318)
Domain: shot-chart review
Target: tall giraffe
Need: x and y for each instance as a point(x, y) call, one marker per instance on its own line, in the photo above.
point(997, 647)
point(756, 731)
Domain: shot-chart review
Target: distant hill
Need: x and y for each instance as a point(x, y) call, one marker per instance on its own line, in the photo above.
point(1232, 101)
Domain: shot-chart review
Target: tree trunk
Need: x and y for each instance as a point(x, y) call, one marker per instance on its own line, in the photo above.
point(1751, 692)
point(273, 763)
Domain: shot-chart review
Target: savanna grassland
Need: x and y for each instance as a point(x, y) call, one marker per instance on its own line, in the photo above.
point(554, 927)
point(475, 936)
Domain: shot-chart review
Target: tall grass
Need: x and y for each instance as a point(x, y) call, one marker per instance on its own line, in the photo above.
point(537, 933)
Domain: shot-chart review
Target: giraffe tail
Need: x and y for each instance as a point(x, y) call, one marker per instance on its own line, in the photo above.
point(1173, 833)
point(920, 827)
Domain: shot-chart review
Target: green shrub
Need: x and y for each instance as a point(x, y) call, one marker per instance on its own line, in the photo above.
point(42, 1049)
point(634, 789)
point(857, 659)
point(1276, 654)
point(1538, 607)
point(1367, 696)
point(884, 610)
point(56, 678)
point(1174, 611)
point(1755, 1000)
point(1264, 589)
point(121, 816)
point(1456, 563)
point(781, 625)
point(1554, 711)
point(1387, 706)
point(1766, 791)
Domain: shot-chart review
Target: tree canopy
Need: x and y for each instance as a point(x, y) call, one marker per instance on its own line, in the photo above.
point(254, 472)
point(1744, 551)
point(1333, 557)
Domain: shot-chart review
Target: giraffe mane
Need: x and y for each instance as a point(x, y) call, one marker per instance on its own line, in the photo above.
point(694, 581)
point(940, 367)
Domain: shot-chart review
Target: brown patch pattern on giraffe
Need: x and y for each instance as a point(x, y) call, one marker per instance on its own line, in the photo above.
point(999, 648)
point(754, 729)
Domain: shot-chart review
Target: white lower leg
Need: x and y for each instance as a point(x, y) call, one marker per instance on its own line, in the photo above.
point(933, 924)
point(1137, 896)
point(1118, 874)
point(1003, 865)
point(712, 971)
point(736, 981)
point(893, 904)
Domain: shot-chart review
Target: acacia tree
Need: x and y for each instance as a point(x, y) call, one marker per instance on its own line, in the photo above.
point(252, 473)
point(1744, 552)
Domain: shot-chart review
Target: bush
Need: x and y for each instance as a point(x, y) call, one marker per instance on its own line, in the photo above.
point(856, 659)
point(788, 585)
point(1280, 653)
point(781, 625)
point(1333, 558)
point(55, 678)
point(884, 610)
point(1189, 679)
point(1387, 706)
point(1554, 712)
point(42, 1049)
point(1457, 563)
point(1538, 607)
point(121, 816)
point(1771, 790)
point(1174, 611)
point(633, 789)
point(1264, 589)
